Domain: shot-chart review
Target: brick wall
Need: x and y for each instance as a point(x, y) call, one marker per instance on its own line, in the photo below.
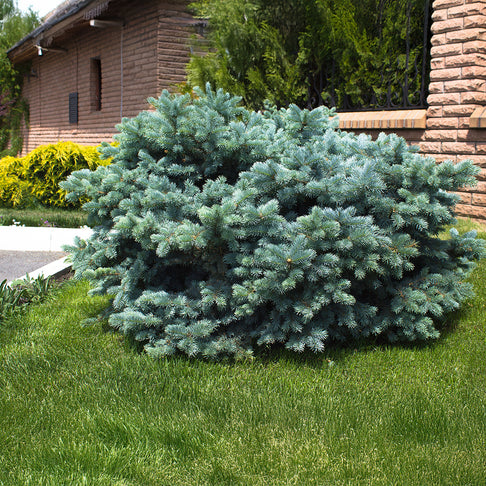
point(136, 63)
point(173, 50)
point(458, 88)
point(457, 96)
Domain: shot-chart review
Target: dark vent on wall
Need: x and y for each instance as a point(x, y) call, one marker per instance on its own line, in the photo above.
point(73, 107)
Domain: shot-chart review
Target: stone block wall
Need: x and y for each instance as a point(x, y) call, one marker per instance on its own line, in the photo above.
point(457, 91)
point(454, 124)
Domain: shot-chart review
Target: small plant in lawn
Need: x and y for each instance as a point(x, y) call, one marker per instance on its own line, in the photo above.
point(33, 289)
point(10, 299)
point(21, 292)
point(48, 224)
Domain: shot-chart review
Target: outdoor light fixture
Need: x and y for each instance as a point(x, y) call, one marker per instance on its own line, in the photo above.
point(40, 49)
point(106, 23)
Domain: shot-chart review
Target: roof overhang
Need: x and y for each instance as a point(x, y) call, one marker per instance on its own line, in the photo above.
point(61, 24)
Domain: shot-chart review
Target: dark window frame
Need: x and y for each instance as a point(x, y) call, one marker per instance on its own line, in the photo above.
point(96, 84)
point(73, 108)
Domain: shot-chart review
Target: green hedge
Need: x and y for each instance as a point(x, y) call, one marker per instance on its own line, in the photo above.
point(34, 179)
point(311, 52)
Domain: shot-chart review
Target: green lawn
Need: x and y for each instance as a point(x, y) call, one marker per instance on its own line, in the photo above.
point(63, 218)
point(79, 405)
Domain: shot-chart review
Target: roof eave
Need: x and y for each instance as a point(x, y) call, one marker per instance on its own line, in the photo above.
point(25, 50)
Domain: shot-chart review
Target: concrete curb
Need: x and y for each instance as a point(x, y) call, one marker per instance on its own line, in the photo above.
point(54, 269)
point(24, 238)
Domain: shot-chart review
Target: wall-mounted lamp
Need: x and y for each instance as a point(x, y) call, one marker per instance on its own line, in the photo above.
point(103, 24)
point(40, 49)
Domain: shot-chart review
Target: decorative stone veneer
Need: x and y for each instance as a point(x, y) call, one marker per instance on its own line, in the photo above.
point(453, 126)
point(457, 93)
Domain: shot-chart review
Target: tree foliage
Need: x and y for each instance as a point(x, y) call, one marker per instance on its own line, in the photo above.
point(14, 25)
point(311, 52)
point(218, 229)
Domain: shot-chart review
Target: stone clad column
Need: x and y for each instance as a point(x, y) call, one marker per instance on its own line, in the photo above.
point(457, 93)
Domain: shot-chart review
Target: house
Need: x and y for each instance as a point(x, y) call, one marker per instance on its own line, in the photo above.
point(93, 62)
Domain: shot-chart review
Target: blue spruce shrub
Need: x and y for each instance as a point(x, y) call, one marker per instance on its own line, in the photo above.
point(218, 229)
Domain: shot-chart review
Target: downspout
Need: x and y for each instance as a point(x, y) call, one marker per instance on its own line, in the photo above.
point(121, 71)
point(107, 24)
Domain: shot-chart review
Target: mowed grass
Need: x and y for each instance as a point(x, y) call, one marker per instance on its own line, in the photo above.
point(62, 218)
point(79, 405)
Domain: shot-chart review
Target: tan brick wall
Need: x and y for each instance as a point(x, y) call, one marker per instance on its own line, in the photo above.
point(457, 88)
point(137, 61)
point(173, 46)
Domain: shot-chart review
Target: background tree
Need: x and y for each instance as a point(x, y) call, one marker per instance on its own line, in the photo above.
point(312, 52)
point(14, 25)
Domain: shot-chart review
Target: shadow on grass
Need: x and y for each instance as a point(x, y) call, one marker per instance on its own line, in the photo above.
point(334, 352)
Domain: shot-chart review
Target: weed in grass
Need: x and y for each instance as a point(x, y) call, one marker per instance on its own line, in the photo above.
point(33, 289)
point(10, 299)
point(21, 292)
point(46, 223)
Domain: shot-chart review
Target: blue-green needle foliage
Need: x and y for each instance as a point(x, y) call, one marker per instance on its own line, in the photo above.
point(219, 229)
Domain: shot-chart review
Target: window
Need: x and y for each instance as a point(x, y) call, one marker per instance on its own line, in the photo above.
point(95, 84)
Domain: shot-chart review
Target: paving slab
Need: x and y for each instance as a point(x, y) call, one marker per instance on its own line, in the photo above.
point(16, 264)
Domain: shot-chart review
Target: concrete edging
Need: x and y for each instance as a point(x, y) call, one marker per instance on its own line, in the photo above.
point(24, 238)
point(54, 269)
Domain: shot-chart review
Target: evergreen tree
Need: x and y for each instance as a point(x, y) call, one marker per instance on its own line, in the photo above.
point(218, 229)
point(312, 52)
point(13, 26)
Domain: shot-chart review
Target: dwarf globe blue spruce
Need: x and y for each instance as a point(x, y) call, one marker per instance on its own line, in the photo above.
point(219, 229)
